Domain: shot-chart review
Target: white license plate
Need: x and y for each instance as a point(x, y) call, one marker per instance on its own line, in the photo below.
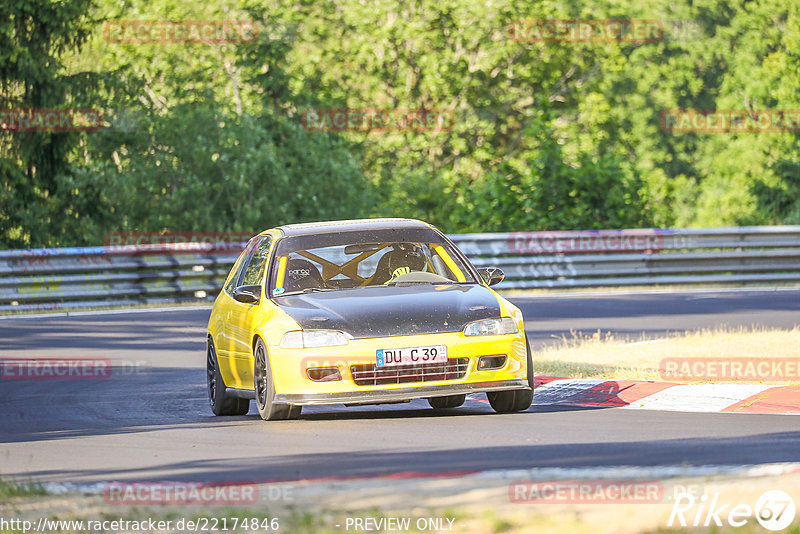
point(411, 355)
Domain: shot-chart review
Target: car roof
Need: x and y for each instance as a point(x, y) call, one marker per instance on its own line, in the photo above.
point(350, 226)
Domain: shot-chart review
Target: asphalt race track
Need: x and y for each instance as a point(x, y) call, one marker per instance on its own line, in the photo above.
point(150, 420)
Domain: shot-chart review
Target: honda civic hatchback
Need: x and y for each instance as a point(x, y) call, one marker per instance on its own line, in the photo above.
point(362, 312)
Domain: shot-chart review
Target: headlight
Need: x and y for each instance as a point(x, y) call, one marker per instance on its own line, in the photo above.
point(491, 327)
point(307, 339)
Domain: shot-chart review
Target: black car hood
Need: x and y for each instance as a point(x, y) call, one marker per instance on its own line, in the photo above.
point(392, 310)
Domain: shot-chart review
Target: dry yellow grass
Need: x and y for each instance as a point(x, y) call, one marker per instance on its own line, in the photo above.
point(603, 356)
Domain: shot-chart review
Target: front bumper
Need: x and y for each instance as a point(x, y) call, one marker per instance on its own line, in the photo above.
point(397, 394)
point(293, 386)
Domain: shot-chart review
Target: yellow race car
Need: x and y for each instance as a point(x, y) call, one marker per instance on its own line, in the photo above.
point(362, 312)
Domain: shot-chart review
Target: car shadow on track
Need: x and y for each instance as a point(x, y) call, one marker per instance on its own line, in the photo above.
point(330, 413)
point(345, 414)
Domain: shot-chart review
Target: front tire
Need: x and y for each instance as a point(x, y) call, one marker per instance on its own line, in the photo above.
point(443, 403)
point(268, 409)
point(221, 403)
point(517, 400)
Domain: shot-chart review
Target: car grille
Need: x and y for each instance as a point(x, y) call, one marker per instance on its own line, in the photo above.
point(370, 375)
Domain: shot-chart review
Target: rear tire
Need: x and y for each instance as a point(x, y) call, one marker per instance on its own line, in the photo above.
point(268, 409)
point(221, 403)
point(443, 403)
point(516, 400)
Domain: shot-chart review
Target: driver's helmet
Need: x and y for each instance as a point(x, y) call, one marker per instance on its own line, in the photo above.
point(406, 257)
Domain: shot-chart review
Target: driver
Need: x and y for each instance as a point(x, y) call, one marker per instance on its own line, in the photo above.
point(402, 259)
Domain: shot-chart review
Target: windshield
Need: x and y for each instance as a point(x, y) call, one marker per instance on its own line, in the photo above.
point(346, 260)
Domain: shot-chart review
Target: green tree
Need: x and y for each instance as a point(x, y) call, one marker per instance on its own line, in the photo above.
point(36, 33)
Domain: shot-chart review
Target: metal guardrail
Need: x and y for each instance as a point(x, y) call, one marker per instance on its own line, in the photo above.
point(739, 255)
point(78, 277)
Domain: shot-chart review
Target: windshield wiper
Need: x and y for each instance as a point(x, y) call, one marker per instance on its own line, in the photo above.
point(416, 282)
point(307, 290)
point(315, 289)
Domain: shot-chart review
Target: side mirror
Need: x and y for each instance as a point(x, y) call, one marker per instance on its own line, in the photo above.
point(247, 294)
point(492, 275)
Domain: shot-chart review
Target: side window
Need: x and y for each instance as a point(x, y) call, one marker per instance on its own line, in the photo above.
point(254, 273)
point(244, 259)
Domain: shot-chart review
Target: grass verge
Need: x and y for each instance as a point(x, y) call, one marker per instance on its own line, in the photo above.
point(603, 356)
point(10, 488)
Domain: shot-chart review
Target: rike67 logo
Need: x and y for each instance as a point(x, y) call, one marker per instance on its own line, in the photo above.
point(774, 510)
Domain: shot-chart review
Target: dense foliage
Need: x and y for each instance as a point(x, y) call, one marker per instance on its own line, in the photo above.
point(545, 135)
